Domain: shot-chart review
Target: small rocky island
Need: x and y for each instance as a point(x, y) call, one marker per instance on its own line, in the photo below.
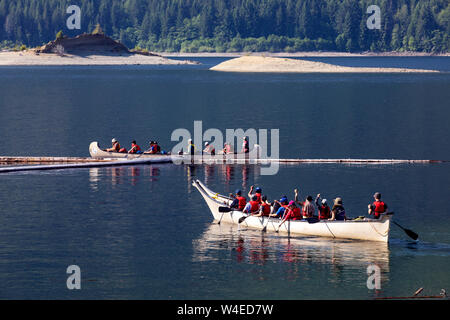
point(85, 49)
point(272, 64)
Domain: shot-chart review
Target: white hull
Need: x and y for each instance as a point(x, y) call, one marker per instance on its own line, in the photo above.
point(96, 152)
point(367, 229)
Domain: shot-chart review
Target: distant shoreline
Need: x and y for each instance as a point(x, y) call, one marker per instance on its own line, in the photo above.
point(299, 54)
point(104, 58)
point(98, 58)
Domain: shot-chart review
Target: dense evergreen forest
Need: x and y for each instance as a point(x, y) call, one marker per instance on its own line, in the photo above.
point(236, 25)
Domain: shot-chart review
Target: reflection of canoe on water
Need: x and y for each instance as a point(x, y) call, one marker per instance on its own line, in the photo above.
point(367, 229)
point(264, 247)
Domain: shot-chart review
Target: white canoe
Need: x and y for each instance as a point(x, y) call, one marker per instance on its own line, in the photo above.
point(367, 229)
point(96, 152)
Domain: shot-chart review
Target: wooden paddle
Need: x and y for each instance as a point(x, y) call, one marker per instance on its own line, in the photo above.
point(223, 210)
point(241, 219)
point(265, 226)
point(410, 233)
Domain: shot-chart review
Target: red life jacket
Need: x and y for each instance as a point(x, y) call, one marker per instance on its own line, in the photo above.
point(136, 148)
point(242, 202)
point(123, 150)
point(324, 212)
point(254, 206)
point(297, 213)
point(294, 214)
point(266, 209)
point(380, 207)
point(258, 195)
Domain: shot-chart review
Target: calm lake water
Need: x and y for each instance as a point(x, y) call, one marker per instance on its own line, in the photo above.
point(144, 232)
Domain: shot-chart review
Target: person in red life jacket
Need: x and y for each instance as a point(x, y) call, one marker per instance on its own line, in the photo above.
point(115, 146)
point(323, 209)
point(292, 212)
point(134, 148)
point(265, 208)
point(252, 206)
point(257, 193)
point(156, 147)
point(378, 207)
point(239, 201)
point(153, 147)
point(245, 147)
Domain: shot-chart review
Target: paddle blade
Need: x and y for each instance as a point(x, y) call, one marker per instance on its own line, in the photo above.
point(312, 220)
point(225, 209)
point(242, 219)
point(411, 234)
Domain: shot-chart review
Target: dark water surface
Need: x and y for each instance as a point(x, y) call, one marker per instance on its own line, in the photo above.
point(145, 233)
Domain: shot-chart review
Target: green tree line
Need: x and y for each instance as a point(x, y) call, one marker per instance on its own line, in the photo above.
point(237, 25)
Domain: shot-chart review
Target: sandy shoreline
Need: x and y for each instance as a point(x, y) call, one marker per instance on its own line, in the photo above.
point(255, 62)
point(287, 65)
point(300, 54)
point(30, 58)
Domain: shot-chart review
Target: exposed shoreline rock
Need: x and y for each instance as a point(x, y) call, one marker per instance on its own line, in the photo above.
point(84, 43)
point(85, 49)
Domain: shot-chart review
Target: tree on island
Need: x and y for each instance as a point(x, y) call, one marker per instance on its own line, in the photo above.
point(59, 35)
point(98, 30)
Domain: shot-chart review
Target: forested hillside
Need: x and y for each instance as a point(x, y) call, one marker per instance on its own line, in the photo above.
point(237, 25)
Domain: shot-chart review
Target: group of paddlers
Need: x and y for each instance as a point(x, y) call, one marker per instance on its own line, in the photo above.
point(297, 209)
point(135, 148)
point(227, 148)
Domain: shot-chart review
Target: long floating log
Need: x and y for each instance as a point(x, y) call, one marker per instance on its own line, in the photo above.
point(9, 160)
point(84, 165)
point(55, 163)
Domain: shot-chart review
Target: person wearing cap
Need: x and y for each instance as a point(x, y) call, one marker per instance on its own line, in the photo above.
point(134, 147)
point(239, 201)
point(279, 207)
point(323, 209)
point(377, 207)
point(258, 192)
point(209, 148)
point(338, 211)
point(115, 146)
point(292, 212)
